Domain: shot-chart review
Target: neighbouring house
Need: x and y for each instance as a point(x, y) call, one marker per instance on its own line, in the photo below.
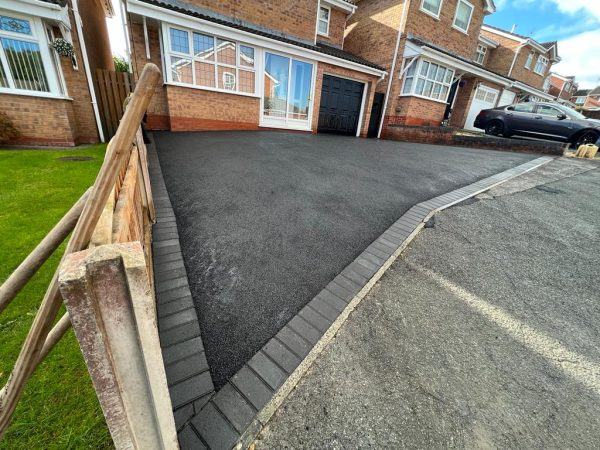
point(232, 65)
point(587, 99)
point(50, 99)
point(562, 88)
point(445, 66)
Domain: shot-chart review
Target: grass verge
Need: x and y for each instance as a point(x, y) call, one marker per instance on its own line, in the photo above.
point(59, 408)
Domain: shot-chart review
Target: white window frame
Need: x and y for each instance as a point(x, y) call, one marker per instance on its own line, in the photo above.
point(168, 52)
point(480, 52)
point(430, 13)
point(529, 60)
point(580, 100)
point(470, 5)
point(417, 74)
point(38, 36)
point(319, 20)
point(544, 65)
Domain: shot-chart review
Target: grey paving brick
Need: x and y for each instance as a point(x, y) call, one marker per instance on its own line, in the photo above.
point(179, 334)
point(396, 234)
point(281, 355)
point(383, 248)
point(409, 221)
point(186, 368)
point(234, 407)
point(182, 350)
point(173, 294)
point(294, 342)
point(324, 308)
point(191, 389)
point(380, 254)
point(189, 440)
point(177, 319)
point(403, 227)
point(392, 238)
point(214, 429)
point(315, 319)
point(167, 243)
point(172, 274)
point(368, 264)
point(267, 370)
point(158, 235)
point(252, 387)
point(362, 270)
point(161, 251)
point(304, 329)
point(347, 284)
point(182, 415)
point(373, 258)
point(161, 259)
point(413, 216)
point(333, 300)
point(165, 309)
point(352, 275)
point(168, 266)
point(383, 241)
point(342, 292)
point(168, 285)
point(201, 402)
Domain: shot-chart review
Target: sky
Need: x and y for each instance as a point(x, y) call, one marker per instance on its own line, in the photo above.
point(575, 24)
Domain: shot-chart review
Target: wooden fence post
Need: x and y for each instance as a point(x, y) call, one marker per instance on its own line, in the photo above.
point(108, 296)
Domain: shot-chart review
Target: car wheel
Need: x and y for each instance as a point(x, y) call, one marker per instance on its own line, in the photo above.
point(494, 128)
point(589, 137)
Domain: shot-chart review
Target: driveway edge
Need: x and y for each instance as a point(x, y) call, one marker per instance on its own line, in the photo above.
point(188, 375)
point(235, 415)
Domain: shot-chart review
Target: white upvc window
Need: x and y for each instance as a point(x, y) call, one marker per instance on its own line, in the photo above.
point(462, 17)
point(427, 79)
point(210, 62)
point(480, 54)
point(529, 61)
point(26, 64)
point(540, 67)
point(323, 20)
point(431, 7)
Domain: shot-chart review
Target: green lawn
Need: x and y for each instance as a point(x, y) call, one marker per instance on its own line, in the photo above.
point(59, 408)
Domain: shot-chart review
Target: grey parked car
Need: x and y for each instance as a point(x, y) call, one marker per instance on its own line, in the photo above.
point(540, 120)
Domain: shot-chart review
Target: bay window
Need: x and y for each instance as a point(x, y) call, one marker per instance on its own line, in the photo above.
point(462, 18)
point(540, 67)
point(427, 79)
point(210, 62)
point(25, 60)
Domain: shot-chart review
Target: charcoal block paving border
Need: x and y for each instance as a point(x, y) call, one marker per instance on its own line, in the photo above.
point(235, 415)
point(188, 375)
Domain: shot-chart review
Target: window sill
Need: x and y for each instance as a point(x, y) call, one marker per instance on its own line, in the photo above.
point(445, 102)
point(35, 94)
point(430, 14)
point(323, 34)
point(207, 88)
point(297, 127)
point(460, 29)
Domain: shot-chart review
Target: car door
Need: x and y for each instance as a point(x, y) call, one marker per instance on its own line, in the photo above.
point(549, 123)
point(520, 119)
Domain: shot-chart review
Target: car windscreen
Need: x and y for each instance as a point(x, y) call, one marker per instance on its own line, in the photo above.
point(571, 113)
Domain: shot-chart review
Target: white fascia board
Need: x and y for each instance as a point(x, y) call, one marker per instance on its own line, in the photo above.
point(340, 4)
point(39, 9)
point(457, 64)
point(490, 7)
point(184, 20)
point(488, 42)
point(532, 90)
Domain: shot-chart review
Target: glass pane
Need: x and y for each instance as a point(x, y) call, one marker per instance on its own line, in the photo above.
point(408, 82)
point(419, 88)
point(463, 15)
point(181, 70)
point(246, 56)
point(427, 89)
point(25, 65)
point(227, 78)
point(204, 47)
point(411, 70)
point(226, 52)
point(437, 88)
point(247, 81)
point(299, 100)
point(322, 27)
point(3, 80)
point(432, 6)
point(524, 107)
point(276, 85)
point(205, 74)
point(15, 25)
point(432, 71)
point(444, 94)
point(449, 76)
point(440, 74)
point(424, 68)
point(324, 14)
point(179, 41)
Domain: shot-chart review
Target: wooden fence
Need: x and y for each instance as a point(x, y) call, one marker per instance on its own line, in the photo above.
point(112, 88)
point(105, 279)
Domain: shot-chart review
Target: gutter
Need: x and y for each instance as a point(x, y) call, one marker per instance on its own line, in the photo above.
point(393, 68)
point(88, 72)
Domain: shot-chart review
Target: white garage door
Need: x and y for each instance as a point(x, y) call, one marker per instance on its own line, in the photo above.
point(485, 98)
point(507, 98)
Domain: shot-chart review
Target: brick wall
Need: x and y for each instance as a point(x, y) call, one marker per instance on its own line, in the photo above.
point(293, 17)
point(440, 31)
point(198, 110)
point(371, 80)
point(464, 97)
point(337, 25)
point(414, 111)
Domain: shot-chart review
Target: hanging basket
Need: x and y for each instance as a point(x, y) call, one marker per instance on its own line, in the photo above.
point(63, 48)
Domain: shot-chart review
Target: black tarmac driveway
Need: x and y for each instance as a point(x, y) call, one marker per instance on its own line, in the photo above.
point(267, 219)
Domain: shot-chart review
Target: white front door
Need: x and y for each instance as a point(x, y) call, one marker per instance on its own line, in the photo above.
point(485, 98)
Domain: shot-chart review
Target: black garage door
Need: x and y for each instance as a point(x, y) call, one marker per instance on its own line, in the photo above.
point(340, 105)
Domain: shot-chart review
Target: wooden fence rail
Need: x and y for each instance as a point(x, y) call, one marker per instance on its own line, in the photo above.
point(112, 88)
point(117, 209)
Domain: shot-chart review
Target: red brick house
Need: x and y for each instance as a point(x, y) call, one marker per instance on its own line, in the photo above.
point(444, 64)
point(50, 99)
point(252, 65)
point(562, 88)
point(587, 99)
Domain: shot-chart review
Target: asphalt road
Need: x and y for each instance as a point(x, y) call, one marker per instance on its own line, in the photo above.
point(485, 333)
point(267, 219)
